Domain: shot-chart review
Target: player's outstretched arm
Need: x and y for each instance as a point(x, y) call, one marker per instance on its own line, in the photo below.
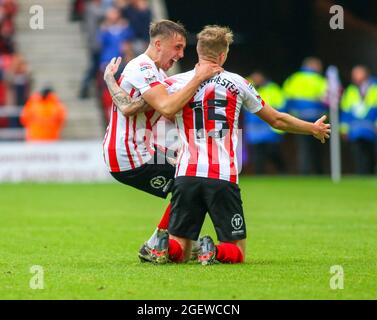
point(283, 121)
point(121, 99)
point(168, 105)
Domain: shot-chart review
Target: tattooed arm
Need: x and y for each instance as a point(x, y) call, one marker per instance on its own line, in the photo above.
point(126, 105)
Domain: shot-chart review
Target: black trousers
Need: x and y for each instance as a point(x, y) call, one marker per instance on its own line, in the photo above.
point(310, 155)
point(263, 153)
point(364, 156)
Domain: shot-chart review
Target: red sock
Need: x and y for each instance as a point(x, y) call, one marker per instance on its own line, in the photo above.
point(229, 253)
point(175, 251)
point(164, 223)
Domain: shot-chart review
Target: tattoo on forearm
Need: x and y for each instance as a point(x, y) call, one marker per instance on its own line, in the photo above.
point(118, 95)
point(122, 100)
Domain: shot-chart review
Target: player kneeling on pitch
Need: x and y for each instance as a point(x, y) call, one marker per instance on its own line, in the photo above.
point(207, 173)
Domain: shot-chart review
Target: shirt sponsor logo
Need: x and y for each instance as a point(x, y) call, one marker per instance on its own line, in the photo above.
point(237, 221)
point(143, 63)
point(158, 182)
point(146, 67)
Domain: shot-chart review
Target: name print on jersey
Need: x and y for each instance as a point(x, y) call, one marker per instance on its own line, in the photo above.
point(229, 85)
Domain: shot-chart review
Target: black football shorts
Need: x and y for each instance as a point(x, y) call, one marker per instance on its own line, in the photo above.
point(193, 197)
point(152, 177)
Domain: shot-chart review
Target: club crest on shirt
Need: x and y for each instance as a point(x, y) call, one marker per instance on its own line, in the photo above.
point(149, 75)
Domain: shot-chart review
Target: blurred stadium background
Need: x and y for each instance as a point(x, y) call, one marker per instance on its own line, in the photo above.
point(272, 37)
point(76, 230)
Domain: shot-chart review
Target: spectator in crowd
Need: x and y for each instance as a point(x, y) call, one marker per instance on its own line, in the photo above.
point(18, 83)
point(4, 121)
point(8, 11)
point(19, 79)
point(107, 4)
point(5, 61)
point(6, 32)
point(138, 13)
point(93, 15)
point(115, 38)
point(77, 10)
point(305, 91)
point(263, 141)
point(124, 31)
point(43, 116)
point(359, 119)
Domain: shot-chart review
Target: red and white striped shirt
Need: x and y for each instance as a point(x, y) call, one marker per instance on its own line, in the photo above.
point(128, 140)
point(208, 124)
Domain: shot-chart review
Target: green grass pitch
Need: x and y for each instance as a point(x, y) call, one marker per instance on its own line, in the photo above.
point(86, 238)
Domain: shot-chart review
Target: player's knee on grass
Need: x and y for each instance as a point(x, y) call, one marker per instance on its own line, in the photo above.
point(231, 252)
point(179, 249)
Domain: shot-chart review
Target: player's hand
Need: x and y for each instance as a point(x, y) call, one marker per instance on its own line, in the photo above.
point(206, 71)
point(322, 130)
point(112, 67)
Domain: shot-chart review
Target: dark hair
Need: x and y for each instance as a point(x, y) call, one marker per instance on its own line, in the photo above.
point(46, 91)
point(166, 28)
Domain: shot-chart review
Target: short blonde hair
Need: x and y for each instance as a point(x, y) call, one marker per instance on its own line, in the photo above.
point(213, 40)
